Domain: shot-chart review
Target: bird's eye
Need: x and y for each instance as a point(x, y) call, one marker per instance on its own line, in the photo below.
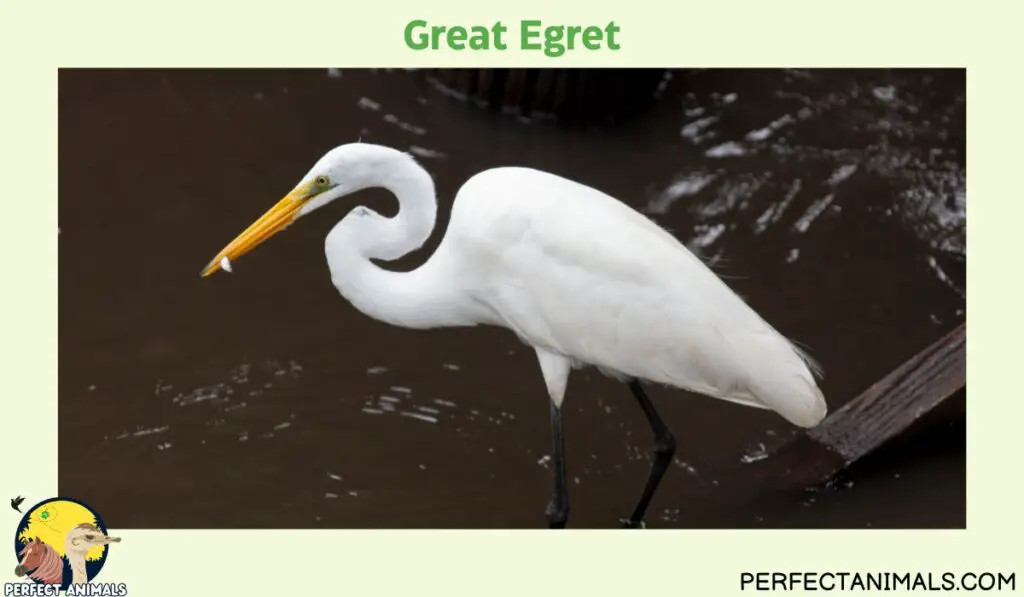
point(321, 181)
point(90, 537)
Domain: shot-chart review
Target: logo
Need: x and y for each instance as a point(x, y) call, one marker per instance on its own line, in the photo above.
point(60, 545)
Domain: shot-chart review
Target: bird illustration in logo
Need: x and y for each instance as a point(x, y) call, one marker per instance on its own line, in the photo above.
point(16, 503)
point(61, 542)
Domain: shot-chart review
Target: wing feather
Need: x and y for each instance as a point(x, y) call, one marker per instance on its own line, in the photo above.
point(577, 272)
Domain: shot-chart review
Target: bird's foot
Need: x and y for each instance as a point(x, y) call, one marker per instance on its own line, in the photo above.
point(629, 523)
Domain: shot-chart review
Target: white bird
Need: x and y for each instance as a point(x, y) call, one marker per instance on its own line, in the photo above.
point(579, 276)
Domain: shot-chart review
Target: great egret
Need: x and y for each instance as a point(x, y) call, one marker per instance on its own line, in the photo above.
point(576, 274)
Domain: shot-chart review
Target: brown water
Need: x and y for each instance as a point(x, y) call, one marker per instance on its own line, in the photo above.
point(833, 201)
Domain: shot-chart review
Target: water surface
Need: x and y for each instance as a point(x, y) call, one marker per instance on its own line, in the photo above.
point(833, 201)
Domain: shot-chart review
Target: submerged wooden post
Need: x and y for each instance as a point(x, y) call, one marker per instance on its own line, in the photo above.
point(880, 413)
point(569, 95)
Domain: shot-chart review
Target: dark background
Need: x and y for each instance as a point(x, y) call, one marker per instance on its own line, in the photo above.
point(260, 399)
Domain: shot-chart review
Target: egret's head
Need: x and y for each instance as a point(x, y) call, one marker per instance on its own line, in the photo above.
point(341, 171)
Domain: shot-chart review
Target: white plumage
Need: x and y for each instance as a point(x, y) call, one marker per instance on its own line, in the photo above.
point(579, 274)
point(576, 274)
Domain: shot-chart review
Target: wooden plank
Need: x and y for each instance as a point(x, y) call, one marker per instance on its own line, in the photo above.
point(881, 412)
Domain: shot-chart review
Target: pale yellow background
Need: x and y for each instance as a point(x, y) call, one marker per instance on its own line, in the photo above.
point(38, 37)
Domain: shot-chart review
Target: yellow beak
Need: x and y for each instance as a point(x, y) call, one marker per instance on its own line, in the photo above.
point(275, 220)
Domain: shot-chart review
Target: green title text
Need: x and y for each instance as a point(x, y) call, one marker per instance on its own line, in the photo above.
point(553, 40)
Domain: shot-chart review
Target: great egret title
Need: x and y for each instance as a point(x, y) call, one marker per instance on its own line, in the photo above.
point(552, 40)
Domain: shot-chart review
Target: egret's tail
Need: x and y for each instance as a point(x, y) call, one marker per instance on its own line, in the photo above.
point(783, 380)
point(793, 393)
point(803, 403)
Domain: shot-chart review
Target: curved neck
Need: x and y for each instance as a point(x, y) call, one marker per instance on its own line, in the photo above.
point(423, 298)
point(417, 213)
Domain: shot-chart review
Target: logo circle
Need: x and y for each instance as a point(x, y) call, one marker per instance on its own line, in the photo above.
point(49, 522)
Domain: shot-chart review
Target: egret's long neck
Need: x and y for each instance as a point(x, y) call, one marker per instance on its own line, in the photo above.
point(417, 213)
point(423, 298)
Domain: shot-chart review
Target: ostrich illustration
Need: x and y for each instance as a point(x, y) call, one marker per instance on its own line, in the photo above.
point(41, 562)
point(79, 541)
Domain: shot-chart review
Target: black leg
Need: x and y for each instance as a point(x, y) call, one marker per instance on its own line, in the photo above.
point(664, 450)
point(558, 508)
